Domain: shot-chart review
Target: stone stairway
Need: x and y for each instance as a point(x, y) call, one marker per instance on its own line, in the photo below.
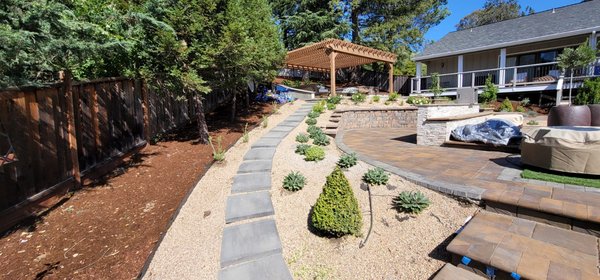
point(514, 248)
point(332, 127)
point(251, 248)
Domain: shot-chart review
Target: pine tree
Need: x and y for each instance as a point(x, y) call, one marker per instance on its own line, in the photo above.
point(493, 11)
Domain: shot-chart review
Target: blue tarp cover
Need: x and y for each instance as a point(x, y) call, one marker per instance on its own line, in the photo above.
point(492, 131)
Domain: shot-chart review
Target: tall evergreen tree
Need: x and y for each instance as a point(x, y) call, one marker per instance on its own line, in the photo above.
point(309, 21)
point(493, 11)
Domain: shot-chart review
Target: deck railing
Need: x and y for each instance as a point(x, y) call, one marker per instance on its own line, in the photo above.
point(514, 76)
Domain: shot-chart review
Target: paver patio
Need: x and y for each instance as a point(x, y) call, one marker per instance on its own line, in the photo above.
point(450, 169)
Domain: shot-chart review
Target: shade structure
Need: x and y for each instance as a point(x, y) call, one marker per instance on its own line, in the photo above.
point(332, 54)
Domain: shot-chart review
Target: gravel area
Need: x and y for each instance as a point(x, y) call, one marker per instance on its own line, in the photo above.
point(401, 246)
point(191, 246)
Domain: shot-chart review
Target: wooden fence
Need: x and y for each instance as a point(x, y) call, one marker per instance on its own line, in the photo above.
point(110, 121)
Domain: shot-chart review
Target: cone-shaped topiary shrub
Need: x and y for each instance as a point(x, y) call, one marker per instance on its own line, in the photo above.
point(336, 212)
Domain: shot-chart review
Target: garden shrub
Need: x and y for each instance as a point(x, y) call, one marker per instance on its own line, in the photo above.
point(418, 100)
point(311, 121)
point(334, 100)
point(375, 98)
point(245, 136)
point(387, 102)
point(301, 149)
point(320, 139)
point(521, 109)
point(358, 97)
point(336, 212)
point(313, 131)
point(330, 106)
point(490, 92)
point(589, 93)
point(506, 106)
point(314, 114)
point(264, 122)
point(319, 108)
point(347, 160)
point(376, 177)
point(314, 153)
point(393, 96)
point(294, 181)
point(302, 138)
point(532, 122)
point(411, 202)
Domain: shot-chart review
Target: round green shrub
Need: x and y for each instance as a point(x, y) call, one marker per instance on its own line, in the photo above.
point(506, 106)
point(330, 106)
point(301, 149)
point(320, 139)
point(319, 108)
point(294, 181)
point(336, 212)
point(302, 138)
point(314, 153)
point(314, 114)
point(311, 121)
point(347, 160)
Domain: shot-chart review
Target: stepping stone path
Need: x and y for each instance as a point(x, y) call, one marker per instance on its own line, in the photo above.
point(252, 250)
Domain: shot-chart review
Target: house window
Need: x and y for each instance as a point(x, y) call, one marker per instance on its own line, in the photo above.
point(526, 59)
point(549, 56)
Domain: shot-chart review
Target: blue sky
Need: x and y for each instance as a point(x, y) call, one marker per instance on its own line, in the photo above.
point(461, 8)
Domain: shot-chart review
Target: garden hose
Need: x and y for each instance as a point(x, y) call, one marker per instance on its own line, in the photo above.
point(362, 243)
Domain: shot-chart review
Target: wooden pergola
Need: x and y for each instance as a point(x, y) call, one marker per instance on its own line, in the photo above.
point(333, 54)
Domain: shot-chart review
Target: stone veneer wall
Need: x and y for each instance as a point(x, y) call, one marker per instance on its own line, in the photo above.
point(435, 133)
point(378, 118)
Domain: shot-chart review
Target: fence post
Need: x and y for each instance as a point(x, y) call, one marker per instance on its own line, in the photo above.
point(145, 110)
point(95, 122)
point(71, 137)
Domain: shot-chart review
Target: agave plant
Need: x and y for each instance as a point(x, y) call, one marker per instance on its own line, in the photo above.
point(411, 202)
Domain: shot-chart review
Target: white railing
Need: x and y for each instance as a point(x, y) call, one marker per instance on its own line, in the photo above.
point(514, 76)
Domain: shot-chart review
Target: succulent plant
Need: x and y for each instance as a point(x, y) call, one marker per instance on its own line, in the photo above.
point(302, 138)
point(411, 202)
point(301, 149)
point(320, 139)
point(314, 153)
point(294, 181)
point(376, 177)
point(347, 160)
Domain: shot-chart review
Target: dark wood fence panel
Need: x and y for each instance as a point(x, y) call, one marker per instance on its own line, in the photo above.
point(109, 123)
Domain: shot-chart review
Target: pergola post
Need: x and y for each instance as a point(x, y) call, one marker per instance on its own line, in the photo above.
point(332, 56)
point(391, 77)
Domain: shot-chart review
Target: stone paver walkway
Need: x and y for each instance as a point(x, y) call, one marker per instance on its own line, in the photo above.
point(251, 249)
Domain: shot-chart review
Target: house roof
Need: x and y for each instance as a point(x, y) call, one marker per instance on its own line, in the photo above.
point(560, 22)
point(315, 57)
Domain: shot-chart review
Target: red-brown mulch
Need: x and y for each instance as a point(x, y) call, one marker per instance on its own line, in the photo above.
point(108, 229)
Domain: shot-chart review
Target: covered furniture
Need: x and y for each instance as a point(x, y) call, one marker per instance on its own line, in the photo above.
point(573, 149)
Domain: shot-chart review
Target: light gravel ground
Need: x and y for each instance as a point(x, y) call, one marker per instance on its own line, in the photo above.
point(192, 246)
point(400, 247)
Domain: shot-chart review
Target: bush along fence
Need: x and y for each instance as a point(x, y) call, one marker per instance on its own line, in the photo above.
point(52, 138)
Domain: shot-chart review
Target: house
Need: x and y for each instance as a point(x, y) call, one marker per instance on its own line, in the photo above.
point(518, 54)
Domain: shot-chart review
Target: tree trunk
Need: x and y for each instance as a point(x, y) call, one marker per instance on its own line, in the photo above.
point(354, 22)
point(202, 127)
point(570, 86)
point(247, 101)
point(233, 103)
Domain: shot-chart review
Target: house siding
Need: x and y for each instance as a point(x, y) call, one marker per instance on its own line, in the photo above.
point(546, 45)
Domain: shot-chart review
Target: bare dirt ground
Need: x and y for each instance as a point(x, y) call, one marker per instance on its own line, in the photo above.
point(108, 229)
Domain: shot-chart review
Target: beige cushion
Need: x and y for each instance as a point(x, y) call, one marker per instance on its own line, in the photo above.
point(573, 149)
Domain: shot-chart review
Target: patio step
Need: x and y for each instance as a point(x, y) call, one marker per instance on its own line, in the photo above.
point(510, 247)
point(450, 272)
point(572, 209)
point(330, 132)
point(331, 126)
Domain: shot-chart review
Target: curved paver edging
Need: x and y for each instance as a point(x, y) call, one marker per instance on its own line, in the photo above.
point(253, 250)
point(468, 192)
